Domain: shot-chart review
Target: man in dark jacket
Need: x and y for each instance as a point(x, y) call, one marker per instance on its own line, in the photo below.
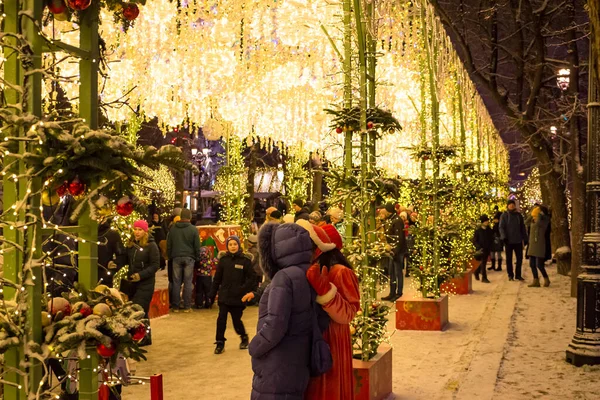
point(302, 212)
point(484, 241)
point(183, 247)
point(514, 235)
point(111, 253)
point(398, 248)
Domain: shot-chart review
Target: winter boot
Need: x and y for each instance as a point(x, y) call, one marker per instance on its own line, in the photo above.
point(493, 266)
point(546, 282)
point(499, 265)
point(244, 342)
point(220, 347)
point(536, 283)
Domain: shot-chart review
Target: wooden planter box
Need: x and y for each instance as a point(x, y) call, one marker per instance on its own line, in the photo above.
point(422, 314)
point(373, 379)
point(159, 305)
point(459, 285)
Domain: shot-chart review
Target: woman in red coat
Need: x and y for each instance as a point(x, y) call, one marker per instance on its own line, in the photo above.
point(337, 290)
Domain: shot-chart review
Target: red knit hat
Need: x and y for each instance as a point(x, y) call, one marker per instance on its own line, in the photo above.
point(318, 236)
point(140, 223)
point(334, 235)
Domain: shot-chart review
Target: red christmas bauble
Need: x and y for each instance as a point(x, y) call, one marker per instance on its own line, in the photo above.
point(106, 351)
point(425, 158)
point(62, 189)
point(139, 333)
point(339, 129)
point(76, 187)
point(370, 124)
point(130, 11)
point(125, 209)
point(79, 5)
point(56, 6)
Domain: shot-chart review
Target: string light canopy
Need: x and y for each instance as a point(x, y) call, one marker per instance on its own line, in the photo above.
point(266, 70)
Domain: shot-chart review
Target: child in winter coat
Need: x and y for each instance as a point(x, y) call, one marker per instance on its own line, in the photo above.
point(483, 241)
point(204, 269)
point(234, 278)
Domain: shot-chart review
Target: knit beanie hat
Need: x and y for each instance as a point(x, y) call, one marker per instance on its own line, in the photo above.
point(143, 225)
point(511, 201)
point(389, 207)
point(484, 218)
point(275, 214)
point(336, 213)
point(299, 203)
point(318, 236)
point(237, 240)
point(253, 239)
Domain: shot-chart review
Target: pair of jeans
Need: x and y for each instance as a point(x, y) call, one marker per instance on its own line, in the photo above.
point(518, 250)
point(536, 263)
point(396, 276)
point(183, 271)
point(236, 315)
point(482, 265)
point(203, 284)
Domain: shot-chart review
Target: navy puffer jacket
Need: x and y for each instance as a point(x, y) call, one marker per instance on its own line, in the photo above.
point(281, 348)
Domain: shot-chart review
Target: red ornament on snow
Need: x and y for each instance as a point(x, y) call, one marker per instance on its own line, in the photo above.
point(62, 189)
point(76, 187)
point(139, 333)
point(339, 129)
point(130, 11)
point(79, 5)
point(106, 351)
point(57, 6)
point(370, 124)
point(125, 206)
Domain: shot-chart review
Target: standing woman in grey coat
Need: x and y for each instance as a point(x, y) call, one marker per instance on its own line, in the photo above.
point(538, 224)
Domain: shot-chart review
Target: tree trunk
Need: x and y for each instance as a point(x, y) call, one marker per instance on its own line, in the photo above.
point(578, 192)
point(558, 203)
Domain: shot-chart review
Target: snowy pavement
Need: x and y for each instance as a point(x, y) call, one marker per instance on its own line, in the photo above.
point(504, 341)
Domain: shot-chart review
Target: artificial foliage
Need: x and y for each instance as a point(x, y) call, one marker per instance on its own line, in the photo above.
point(296, 178)
point(369, 331)
point(378, 120)
point(108, 321)
point(100, 161)
point(231, 185)
point(529, 192)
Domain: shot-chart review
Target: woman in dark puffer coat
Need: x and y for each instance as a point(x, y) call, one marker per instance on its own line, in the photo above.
point(281, 348)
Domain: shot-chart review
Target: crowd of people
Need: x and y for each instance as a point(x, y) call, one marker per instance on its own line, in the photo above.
point(293, 268)
point(514, 234)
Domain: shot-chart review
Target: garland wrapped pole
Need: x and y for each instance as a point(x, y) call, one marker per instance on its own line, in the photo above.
point(347, 66)
point(88, 249)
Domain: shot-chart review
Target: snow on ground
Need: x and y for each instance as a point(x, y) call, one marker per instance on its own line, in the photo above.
point(505, 341)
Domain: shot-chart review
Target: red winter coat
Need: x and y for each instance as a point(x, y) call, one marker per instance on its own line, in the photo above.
point(341, 303)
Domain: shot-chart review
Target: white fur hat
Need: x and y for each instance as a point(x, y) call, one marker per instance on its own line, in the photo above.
point(336, 212)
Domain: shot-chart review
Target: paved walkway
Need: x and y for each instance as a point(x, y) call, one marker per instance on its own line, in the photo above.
point(505, 341)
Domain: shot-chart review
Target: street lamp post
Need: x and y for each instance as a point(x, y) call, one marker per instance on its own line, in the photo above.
point(584, 348)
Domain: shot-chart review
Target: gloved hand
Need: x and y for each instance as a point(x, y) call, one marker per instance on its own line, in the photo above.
point(319, 279)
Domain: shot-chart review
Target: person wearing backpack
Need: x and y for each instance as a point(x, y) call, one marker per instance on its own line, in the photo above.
point(336, 285)
point(281, 349)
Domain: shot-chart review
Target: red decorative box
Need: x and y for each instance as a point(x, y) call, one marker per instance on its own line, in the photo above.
point(422, 314)
point(373, 379)
point(159, 305)
point(460, 285)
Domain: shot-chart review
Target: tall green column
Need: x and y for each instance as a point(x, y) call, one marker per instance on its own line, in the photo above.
point(88, 248)
point(34, 232)
point(13, 260)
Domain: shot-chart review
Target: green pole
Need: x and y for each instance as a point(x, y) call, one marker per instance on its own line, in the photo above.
point(463, 132)
point(88, 248)
point(347, 68)
point(13, 260)
point(34, 237)
point(370, 79)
